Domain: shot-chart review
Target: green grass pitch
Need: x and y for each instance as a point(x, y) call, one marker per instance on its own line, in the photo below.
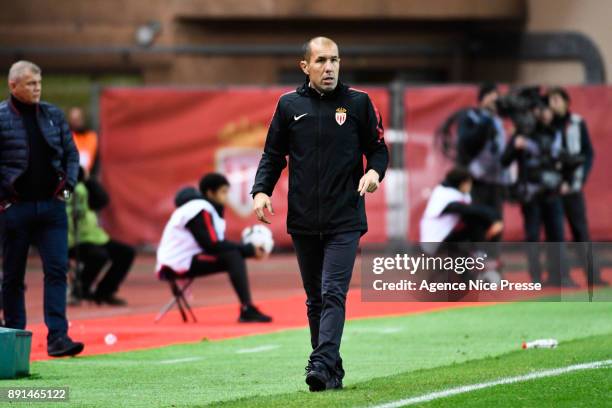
point(386, 359)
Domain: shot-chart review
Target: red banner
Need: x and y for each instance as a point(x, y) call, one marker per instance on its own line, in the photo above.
point(428, 107)
point(157, 140)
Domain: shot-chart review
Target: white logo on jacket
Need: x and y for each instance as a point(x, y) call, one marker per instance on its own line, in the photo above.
point(340, 116)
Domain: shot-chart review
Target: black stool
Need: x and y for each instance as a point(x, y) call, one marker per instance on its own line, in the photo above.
point(178, 298)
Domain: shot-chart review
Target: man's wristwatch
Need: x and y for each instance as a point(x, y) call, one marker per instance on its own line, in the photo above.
point(67, 194)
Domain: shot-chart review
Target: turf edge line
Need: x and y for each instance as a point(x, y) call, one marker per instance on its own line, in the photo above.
point(180, 360)
point(258, 349)
point(508, 380)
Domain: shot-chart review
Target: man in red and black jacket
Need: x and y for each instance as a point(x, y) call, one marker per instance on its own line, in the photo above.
point(326, 128)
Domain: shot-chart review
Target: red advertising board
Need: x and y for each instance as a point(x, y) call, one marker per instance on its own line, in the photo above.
point(157, 140)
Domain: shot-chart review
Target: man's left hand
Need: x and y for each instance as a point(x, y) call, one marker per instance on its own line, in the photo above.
point(369, 182)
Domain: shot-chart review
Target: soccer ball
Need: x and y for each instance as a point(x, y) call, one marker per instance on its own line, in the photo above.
point(259, 236)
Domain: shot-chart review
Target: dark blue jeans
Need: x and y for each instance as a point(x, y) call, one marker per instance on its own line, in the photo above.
point(45, 225)
point(326, 265)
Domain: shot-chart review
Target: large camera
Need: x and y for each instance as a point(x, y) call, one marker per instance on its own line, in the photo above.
point(547, 164)
point(518, 106)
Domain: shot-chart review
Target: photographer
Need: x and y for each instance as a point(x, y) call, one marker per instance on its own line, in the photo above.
point(481, 140)
point(578, 163)
point(537, 149)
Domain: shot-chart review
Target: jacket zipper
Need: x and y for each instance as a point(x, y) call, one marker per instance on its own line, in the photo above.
point(60, 177)
point(61, 182)
point(319, 168)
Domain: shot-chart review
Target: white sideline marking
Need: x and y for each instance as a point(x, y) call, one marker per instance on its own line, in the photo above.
point(257, 349)
point(508, 380)
point(180, 360)
point(118, 362)
point(390, 330)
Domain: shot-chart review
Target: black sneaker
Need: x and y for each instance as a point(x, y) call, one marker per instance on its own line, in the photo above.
point(334, 383)
point(307, 370)
point(250, 314)
point(64, 346)
point(335, 380)
point(308, 367)
point(318, 377)
point(339, 368)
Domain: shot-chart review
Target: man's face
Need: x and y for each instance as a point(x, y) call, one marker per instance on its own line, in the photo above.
point(557, 104)
point(27, 88)
point(466, 186)
point(489, 101)
point(218, 197)
point(546, 115)
point(323, 67)
point(76, 119)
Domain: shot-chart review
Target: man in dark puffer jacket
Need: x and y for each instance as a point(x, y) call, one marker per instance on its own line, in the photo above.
point(39, 165)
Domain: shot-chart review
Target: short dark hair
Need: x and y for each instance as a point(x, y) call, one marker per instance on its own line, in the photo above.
point(307, 46)
point(486, 89)
point(456, 176)
point(306, 50)
point(562, 92)
point(212, 182)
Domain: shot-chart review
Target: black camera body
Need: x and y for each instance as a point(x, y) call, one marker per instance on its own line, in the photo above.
point(541, 166)
point(518, 107)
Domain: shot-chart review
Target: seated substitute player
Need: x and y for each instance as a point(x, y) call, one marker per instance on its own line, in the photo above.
point(450, 215)
point(193, 243)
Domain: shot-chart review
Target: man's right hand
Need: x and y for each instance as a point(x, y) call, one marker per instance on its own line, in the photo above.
point(520, 142)
point(4, 205)
point(495, 229)
point(260, 253)
point(261, 201)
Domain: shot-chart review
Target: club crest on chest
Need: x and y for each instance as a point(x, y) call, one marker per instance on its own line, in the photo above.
point(340, 116)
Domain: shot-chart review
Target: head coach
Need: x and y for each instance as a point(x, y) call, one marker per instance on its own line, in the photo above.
point(325, 128)
point(39, 164)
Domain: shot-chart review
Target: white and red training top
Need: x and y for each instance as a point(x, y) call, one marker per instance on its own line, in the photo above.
point(178, 245)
